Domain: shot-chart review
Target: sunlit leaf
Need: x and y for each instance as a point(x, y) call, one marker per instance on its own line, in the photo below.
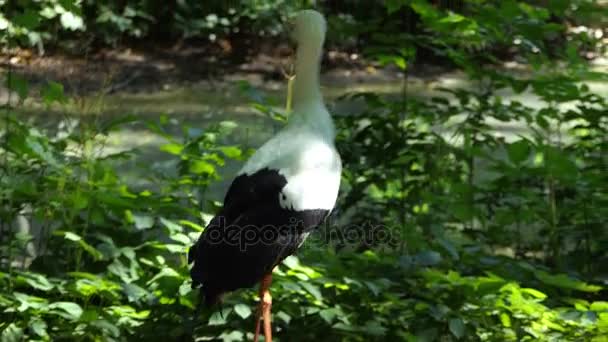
point(599, 306)
point(12, 333)
point(534, 292)
point(38, 327)
point(219, 317)
point(67, 310)
point(231, 151)
point(37, 281)
point(563, 281)
point(313, 290)
point(143, 221)
point(173, 148)
point(242, 310)
point(202, 167)
point(71, 21)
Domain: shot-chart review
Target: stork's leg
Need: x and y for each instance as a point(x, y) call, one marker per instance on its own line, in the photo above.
point(264, 309)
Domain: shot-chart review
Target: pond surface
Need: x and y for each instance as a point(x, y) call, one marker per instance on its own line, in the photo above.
point(202, 104)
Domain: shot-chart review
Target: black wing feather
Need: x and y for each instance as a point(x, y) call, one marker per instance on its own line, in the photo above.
point(249, 236)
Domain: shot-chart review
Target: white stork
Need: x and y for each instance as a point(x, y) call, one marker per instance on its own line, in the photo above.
point(283, 192)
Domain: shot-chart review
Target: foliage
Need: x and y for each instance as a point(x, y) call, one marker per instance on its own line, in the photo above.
point(35, 23)
point(446, 228)
point(486, 29)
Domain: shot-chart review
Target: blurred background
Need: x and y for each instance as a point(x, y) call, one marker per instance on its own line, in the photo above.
point(473, 133)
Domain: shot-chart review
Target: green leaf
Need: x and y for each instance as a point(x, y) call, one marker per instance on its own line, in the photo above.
point(535, 293)
point(79, 200)
point(313, 290)
point(40, 150)
point(449, 247)
point(71, 236)
point(26, 302)
point(505, 319)
point(97, 255)
point(242, 310)
point(234, 335)
point(219, 317)
point(12, 333)
point(424, 9)
point(345, 327)
point(172, 226)
point(599, 306)
point(108, 328)
point(397, 60)
point(291, 262)
point(29, 19)
point(603, 321)
point(196, 227)
point(71, 21)
point(373, 287)
point(283, 317)
point(374, 328)
point(456, 327)
point(173, 148)
point(328, 315)
point(393, 6)
point(563, 281)
point(53, 92)
point(180, 237)
point(37, 281)
point(164, 272)
point(427, 258)
point(143, 221)
point(17, 84)
point(559, 163)
point(200, 166)
point(38, 327)
point(228, 125)
point(231, 151)
point(134, 292)
point(67, 310)
point(518, 151)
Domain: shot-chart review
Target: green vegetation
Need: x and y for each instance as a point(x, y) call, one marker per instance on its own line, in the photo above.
point(464, 231)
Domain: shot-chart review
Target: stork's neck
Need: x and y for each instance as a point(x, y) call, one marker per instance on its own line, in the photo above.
point(308, 107)
point(306, 87)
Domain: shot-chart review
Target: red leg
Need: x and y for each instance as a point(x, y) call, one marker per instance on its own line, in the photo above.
point(263, 310)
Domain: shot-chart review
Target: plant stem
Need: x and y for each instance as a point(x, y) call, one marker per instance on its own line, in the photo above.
point(403, 216)
point(6, 228)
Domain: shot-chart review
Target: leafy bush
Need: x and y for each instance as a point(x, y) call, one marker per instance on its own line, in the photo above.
point(461, 231)
point(34, 23)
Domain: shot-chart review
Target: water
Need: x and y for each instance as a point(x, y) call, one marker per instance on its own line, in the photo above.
point(201, 105)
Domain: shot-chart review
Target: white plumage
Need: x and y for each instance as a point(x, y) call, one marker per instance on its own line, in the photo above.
point(283, 192)
point(308, 161)
point(304, 152)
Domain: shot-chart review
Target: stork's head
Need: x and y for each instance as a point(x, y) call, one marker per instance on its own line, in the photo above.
point(309, 26)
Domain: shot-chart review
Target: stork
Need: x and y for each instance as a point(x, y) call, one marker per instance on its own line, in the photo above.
point(283, 192)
